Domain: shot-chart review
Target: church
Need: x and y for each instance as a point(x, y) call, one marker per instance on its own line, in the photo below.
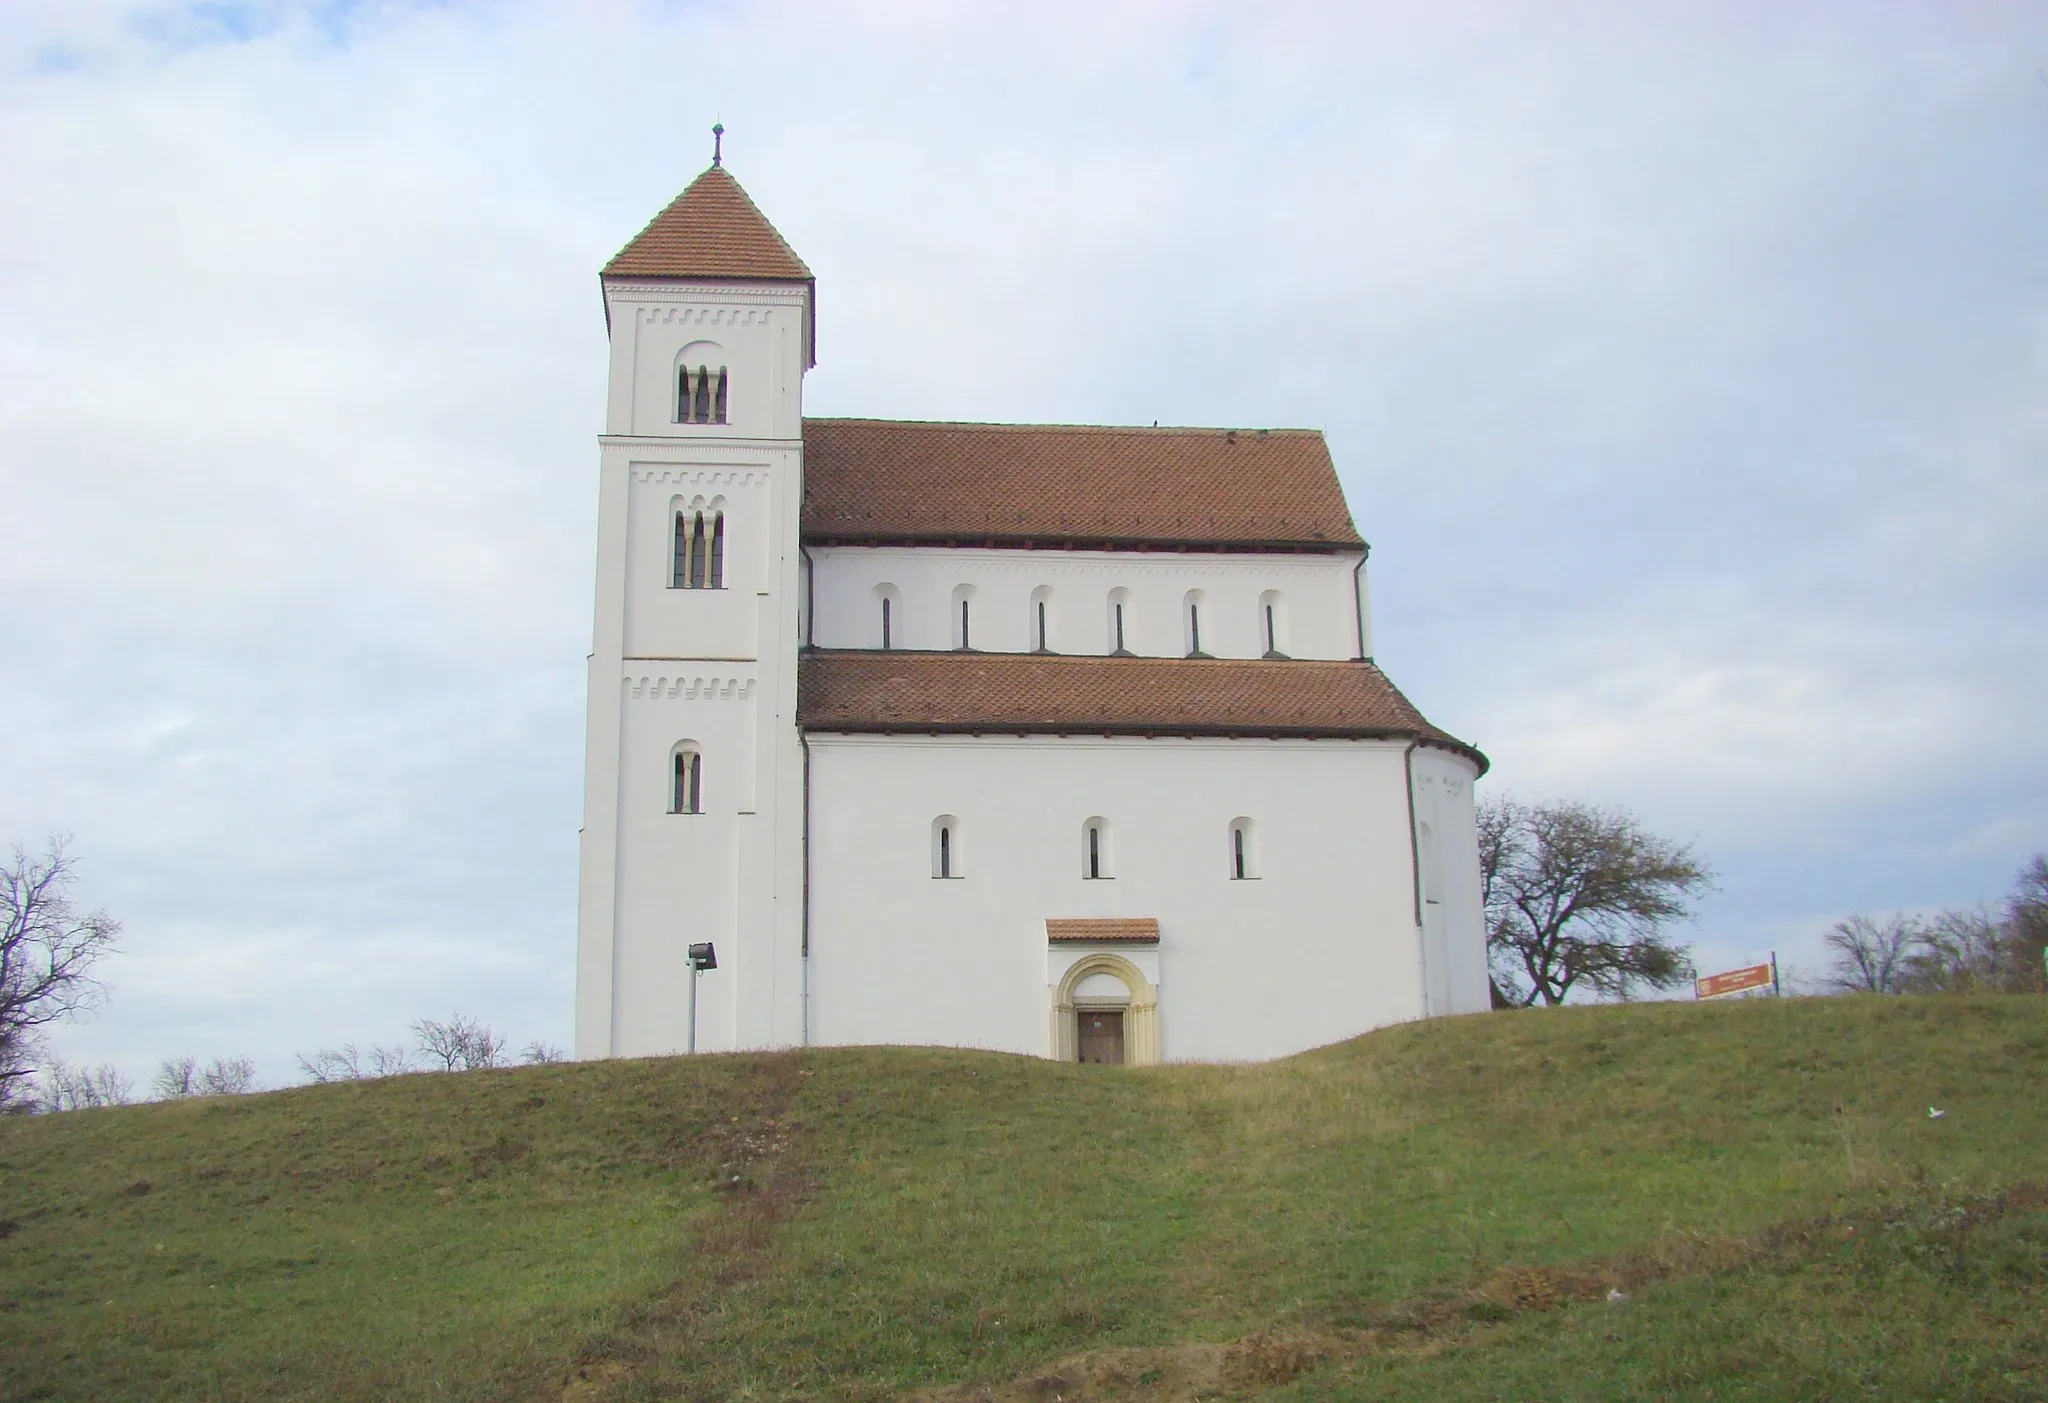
point(1063, 740)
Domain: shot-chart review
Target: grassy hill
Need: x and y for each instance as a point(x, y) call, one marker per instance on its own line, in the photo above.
point(1438, 1210)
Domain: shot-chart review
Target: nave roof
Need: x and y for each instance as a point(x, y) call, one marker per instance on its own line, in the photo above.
point(911, 482)
point(915, 693)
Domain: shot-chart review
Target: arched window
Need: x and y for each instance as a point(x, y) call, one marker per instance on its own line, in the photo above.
point(1095, 854)
point(1192, 611)
point(963, 629)
point(702, 383)
point(699, 550)
point(1041, 619)
point(701, 393)
point(1119, 605)
point(888, 616)
point(1273, 623)
point(1244, 851)
point(686, 789)
point(945, 847)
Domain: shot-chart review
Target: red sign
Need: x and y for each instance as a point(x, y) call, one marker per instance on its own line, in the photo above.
point(1734, 981)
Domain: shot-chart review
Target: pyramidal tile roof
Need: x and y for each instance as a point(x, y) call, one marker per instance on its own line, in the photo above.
point(711, 230)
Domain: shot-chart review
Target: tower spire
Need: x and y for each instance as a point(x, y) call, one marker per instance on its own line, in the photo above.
point(717, 143)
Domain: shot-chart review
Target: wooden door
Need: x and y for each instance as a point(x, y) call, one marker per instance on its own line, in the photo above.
point(1102, 1035)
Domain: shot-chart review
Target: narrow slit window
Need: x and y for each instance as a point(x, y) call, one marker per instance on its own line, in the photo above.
point(718, 399)
point(1194, 629)
point(966, 639)
point(1272, 635)
point(1041, 626)
point(945, 848)
point(1120, 629)
point(683, 394)
point(718, 551)
point(1244, 852)
point(1094, 852)
point(887, 641)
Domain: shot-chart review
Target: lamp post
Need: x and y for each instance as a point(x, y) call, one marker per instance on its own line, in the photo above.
point(702, 957)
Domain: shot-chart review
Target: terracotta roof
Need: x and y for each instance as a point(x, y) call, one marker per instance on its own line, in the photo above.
point(1035, 693)
point(869, 481)
point(1131, 930)
point(711, 230)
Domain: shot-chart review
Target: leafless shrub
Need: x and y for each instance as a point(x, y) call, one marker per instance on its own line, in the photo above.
point(342, 1063)
point(63, 1087)
point(538, 1052)
point(459, 1044)
point(179, 1077)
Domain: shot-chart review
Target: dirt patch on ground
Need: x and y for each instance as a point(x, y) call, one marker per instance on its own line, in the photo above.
point(760, 1177)
point(1425, 1324)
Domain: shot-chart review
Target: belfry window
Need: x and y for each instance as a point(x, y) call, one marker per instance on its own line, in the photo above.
point(699, 551)
point(700, 394)
point(687, 791)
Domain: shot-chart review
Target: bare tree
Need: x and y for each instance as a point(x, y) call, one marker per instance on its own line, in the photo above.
point(47, 951)
point(538, 1052)
point(2026, 920)
point(183, 1076)
point(63, 1087)
point(460, 1044)
point(1871, 957)
point(1576, 895)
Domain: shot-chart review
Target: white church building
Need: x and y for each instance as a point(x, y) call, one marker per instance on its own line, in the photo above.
point(1054, 739)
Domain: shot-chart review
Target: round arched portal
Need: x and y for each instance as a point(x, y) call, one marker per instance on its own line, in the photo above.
point(1105, 983)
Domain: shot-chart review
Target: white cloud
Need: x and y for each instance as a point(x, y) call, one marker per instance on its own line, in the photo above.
point(1685, 366)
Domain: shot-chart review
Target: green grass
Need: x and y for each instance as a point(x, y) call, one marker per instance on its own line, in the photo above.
point(1762, 1177)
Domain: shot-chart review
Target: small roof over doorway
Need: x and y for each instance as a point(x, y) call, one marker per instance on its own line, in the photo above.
point(1111, 930)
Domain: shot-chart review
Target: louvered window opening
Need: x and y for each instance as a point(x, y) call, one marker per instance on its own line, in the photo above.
point(700, 395)
point(699, 554)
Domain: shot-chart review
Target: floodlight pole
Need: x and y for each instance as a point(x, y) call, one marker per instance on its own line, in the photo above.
point(694, 973)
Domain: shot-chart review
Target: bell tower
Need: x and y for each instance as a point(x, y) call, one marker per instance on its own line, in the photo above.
point(693, 772)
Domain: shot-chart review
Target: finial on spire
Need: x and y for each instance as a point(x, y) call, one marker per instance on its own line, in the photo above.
point(717, 143)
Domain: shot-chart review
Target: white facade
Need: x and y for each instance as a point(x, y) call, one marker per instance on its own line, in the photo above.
point(1304, 890)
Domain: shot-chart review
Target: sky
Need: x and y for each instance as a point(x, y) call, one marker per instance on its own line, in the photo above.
point(1685, 364)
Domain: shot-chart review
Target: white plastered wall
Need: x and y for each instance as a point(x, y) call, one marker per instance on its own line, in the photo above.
point(1320, 946)
point(1447, 859)
point(713, 667)
point(1318, 614)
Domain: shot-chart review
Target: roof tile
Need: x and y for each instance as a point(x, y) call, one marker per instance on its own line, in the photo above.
point(1034, 693)
point(711, 230)
point(1125, 930)
point(882, 480)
